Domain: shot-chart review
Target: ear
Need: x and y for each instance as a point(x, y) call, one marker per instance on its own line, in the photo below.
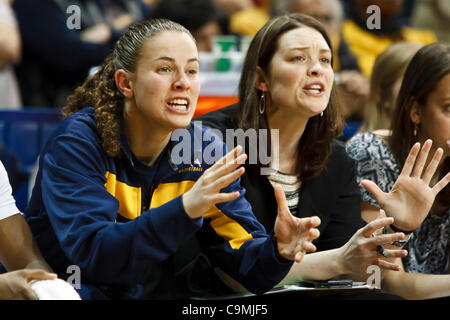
point(124, 83)
point(415, 113)
point(260, 80)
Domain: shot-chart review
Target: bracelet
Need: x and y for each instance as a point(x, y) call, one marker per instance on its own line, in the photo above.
point(399, 243)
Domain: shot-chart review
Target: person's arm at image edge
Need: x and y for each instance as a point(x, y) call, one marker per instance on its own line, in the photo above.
point(10, 44)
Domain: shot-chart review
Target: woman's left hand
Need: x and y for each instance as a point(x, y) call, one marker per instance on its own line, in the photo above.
point(294, 235)
point(411, 197)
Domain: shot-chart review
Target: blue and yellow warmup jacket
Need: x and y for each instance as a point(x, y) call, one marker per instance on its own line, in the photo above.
point(116, 217)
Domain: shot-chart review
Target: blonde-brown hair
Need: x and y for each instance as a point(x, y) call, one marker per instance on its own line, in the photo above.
point(388, 68)
point(100, 91)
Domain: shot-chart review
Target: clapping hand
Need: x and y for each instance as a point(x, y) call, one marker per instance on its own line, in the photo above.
point(411, 197)
point(294, 235)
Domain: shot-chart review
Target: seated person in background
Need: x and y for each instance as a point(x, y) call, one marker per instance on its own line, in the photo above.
point(287, 85)
point(113, 197)
point(422, 113)
point(433, 15)
point(18, 251)
point(385, 81)
point(366, 44)
point(10, 52)
point(246, 16)
point(201, 17)
point(60, 46)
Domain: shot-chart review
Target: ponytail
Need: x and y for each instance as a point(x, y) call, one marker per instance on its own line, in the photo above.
point(100, 92)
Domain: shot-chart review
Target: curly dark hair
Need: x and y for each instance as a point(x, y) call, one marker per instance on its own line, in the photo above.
point(315, 144)
point(100, 92)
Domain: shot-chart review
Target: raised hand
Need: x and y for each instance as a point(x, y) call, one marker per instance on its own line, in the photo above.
point(206, 191)
point(294, 235)
point(362, 250)
point(411, 197)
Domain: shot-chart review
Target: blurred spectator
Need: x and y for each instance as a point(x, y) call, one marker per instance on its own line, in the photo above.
point(403, 18)
point(246, 16)
point(433, 15)
point(234, 6)
point(366, 44)
point(385, 82)
point(201, 17)
point(10, 52)
point(58, 52)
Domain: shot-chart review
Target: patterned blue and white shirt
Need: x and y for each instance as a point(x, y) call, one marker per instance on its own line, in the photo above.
point(429, 246)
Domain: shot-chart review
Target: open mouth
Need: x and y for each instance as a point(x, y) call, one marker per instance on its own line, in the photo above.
point(315, 89)
point(179, 105)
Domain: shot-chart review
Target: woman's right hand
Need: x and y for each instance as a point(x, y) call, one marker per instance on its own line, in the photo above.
point(411, 197)
point(361, 250)
point(206, 191)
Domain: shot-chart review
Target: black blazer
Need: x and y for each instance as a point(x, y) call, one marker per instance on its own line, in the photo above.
point(333, 195)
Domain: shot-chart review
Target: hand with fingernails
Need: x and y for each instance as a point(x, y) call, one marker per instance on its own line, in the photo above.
point(206, 191)
point(411, 197)
point(362, 251)
point(294, 235)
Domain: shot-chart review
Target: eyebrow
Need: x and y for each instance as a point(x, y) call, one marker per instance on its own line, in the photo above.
point(303, 48)
point(173, 60)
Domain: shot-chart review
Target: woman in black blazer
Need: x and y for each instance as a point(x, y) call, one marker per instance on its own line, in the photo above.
point(287, 85)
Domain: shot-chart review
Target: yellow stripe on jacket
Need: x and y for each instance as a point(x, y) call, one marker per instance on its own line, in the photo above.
point(129, 197)
point(223, 225)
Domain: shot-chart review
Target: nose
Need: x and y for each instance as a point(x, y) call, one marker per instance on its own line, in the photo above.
point(315, 69)
point(181, 81)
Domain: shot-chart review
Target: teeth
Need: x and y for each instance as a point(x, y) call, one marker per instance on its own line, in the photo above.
point(179, 101)
point(179, 104)
point(179, 107)
point(315, 87)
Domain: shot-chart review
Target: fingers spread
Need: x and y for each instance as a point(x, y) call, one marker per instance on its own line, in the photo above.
point(441, 184)
point(215, 172)
point(387, 265)
point(281, 199)
point(299, 257)
point(375, 225)
point(374, 190)
point(230, 156)
point(309, 247)
point(314, 234)
point(420, 162)
point(387, 238)
point(395, 253)
point(314, 222)
point(225, 180)
point(410, 160)
point(431, 169)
